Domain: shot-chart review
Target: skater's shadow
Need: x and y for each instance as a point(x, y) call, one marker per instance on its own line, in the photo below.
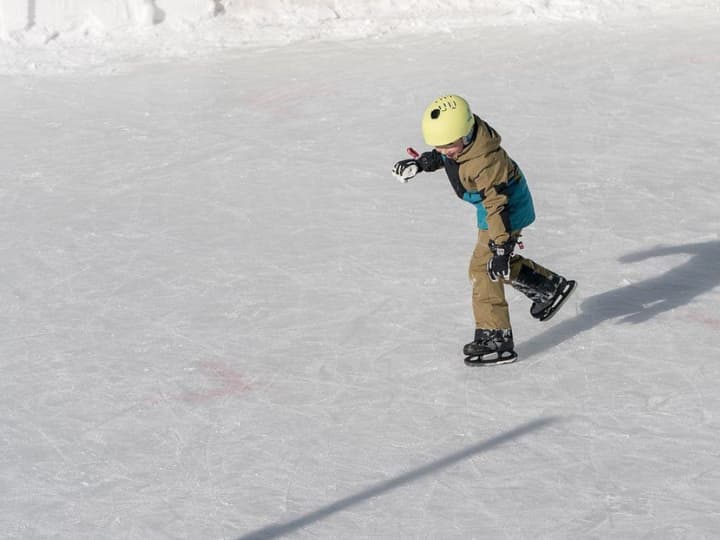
point(640, 302)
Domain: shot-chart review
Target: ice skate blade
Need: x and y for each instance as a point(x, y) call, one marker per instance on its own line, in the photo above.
point(508, 357)
point(570, 287)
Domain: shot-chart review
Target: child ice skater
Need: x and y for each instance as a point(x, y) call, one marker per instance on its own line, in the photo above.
point(483, 174)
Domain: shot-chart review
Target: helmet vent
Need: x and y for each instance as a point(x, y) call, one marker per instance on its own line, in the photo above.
point(434, 114)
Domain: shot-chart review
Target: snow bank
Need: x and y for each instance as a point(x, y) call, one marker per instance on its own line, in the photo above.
point(67, 15)
point(59, 35)
point(109, 14)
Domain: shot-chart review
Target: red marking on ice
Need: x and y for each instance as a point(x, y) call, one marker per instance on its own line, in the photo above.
point(286, 100)
point(707, 321)
point(228, 383)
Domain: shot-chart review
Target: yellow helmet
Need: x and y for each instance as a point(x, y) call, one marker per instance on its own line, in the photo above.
point(446, 120)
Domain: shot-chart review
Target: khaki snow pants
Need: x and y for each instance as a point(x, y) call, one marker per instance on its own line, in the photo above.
point(488, 297)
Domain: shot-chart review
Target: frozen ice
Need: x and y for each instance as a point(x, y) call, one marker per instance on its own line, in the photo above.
point(223, 318)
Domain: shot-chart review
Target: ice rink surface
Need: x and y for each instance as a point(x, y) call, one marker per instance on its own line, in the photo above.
point(223, 318)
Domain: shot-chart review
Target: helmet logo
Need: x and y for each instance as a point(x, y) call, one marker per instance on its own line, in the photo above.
point(447, 104)
point(443, 106)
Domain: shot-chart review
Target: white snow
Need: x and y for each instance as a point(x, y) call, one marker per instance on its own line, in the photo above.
point(223, 318)
point(61, 35)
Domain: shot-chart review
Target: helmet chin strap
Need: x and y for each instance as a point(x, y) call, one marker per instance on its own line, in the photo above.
point(467, 139)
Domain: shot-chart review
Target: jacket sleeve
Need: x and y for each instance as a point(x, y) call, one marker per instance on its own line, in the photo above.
point(498, 212)
point(430, 161)
point(489, 175)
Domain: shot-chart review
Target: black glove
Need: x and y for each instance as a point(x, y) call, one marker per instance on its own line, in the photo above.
point(430, 161)
point(405, 169)
point(498, 267)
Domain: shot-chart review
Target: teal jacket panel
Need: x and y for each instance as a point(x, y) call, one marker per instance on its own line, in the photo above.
point(520, 204)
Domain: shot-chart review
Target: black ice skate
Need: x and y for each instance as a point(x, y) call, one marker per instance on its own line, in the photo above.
point(490, 347)
point(548, 294)
point(544, 310)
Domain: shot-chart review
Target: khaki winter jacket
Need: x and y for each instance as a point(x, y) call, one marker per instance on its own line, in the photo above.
point(485, 168)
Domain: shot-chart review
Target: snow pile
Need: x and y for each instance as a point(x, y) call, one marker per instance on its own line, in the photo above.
point(62, 35)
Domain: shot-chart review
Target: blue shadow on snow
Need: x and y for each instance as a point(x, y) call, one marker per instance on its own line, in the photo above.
point(639, 302)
